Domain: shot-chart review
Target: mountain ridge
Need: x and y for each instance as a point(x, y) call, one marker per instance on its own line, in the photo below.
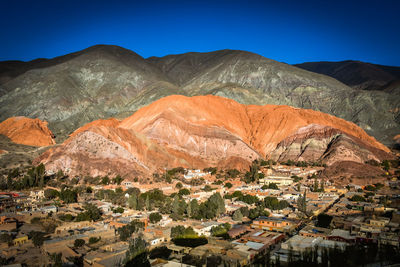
point(110, 81)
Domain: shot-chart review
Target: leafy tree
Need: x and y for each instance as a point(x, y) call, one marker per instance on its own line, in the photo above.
point(357, 198)
point(257, 212)
point(220, 230)
point(184, 191)
point(386, 165)
point(126, 231)
point(232, 173)
point(66, 217)
point(105, 180)
point(118, 210)
point(370, 188)
point(68, 196)
point(273, 186)
point(91, 213)
point(211, 170)
point(137, 254)
point(132, 202)
point(302, 203)
point(177, 231)
point(228, 185)
point(51, 193)
point(179, 185)
point(194, 207)
point(323, 220)
point(37, 238)
point(93, 240)
point(79, 243)
point(237, 215)
point(207, 188)
point(296, 178)
point(133, 191)
point(155, 217)
point(118, 180)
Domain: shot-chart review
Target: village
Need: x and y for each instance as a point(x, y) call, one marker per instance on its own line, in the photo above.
point(272, 215)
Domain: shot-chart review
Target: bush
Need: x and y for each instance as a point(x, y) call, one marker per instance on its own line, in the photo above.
point(357, 198)
point(155, 217)
point(118, 210)
point(273, 186)
point(94, 240)
point(324, 220)
point(79, 243)
point(184, 191)
point(228, 185)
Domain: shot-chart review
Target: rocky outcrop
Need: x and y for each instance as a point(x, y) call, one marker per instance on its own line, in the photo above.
point(26, 131)
point(326, 144)
point(205, 131)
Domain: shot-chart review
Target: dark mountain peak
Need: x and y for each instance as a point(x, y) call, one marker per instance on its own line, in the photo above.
point(357, 74)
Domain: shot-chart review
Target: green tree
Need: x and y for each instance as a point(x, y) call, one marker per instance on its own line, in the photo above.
point(118, 180)
point(68, 196)
point(237, 215)
point(184, 191)
point(79, 243)
point(179, 185)
point(228, 185)
point(51, 193)
point(132, 202)
point(302, 203)
point(118, 210)
point(93, 240)
point(189, 210)
point(315, 187)
point(137, 254)
point(38, 238)
point(105, 180)
point(155, 217)
point(91, 213)
point(357, 198)
point(323, 220)
point(194, 207)
point(148, 203)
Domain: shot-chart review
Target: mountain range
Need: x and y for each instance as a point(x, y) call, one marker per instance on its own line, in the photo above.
point(109, 81)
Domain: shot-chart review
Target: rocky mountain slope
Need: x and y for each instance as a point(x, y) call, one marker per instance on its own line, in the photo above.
point(26, 131)
point(204, 131)
point(109, 81)
point(357, 74)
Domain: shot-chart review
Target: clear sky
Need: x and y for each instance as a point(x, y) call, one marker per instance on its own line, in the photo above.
point(287, 31)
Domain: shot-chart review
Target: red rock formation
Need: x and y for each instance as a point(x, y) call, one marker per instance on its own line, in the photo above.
point(26, 131)
point(207, 131)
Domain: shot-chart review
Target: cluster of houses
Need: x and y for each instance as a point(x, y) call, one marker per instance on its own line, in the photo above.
point(284, 231)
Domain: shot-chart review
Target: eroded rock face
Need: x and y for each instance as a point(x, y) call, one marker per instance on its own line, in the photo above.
point(26, 131)
point(323, 143)
point(205, 131)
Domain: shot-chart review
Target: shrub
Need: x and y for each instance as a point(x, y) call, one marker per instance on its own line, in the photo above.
point(79, 243)
point(155, 217)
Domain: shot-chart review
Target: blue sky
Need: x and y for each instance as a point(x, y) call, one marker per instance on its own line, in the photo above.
point(287, 31)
